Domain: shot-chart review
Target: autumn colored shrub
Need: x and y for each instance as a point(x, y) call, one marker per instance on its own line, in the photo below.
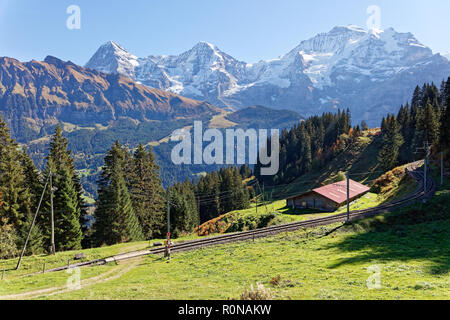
point(8, 238)
point(388, 181)
point(276, 281)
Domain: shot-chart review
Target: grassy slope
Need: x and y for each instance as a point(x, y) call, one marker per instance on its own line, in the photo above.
point(410, 246)
point(25, 279)
point(389, 186)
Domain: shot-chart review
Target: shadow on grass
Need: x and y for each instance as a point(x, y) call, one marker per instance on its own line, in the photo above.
point(419, 232)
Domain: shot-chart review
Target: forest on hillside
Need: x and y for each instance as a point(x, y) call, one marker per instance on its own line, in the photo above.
point(312, 143)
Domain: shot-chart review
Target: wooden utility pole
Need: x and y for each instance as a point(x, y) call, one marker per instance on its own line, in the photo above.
point(167, 252)
point(425, 170)
point(262, 193)
point(52, 215)
point(256, 202)
point(31, 227)
point(348, 197)
point(198, 205)
point(168, 211)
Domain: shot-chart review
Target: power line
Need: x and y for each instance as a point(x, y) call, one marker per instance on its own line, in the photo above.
point(32, 225)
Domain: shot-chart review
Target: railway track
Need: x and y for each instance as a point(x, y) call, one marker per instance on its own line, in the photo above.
point(268, 231)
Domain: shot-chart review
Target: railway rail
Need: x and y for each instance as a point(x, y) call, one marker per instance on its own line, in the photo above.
point(268, 231)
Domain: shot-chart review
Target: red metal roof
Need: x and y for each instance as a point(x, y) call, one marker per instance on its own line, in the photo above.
point(337, 191)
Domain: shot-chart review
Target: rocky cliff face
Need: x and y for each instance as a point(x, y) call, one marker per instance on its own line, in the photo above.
point(371, 72)
point(36, 92)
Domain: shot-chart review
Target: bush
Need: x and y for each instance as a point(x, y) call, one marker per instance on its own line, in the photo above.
point(390, 180)
point(276, 281)
point(235, 222)
point(260, 293)
point(8, 237)
point(251, 221)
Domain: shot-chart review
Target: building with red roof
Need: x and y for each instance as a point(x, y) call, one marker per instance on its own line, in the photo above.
point(329, 197)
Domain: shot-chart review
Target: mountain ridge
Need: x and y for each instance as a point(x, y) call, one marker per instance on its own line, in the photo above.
point(57, 90)
point(345, 67)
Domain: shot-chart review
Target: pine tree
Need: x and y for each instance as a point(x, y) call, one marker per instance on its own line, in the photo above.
point(209, 189)
point(35, 244)
point(364, 125)
point(146, 192)
point(417, 98)
point(392, 141)
point(67, 203)
point(445, 127)
point(242, 197)
point(183, 208)
point(31, 179)
point(16, 195)
point(407, 131)
point(8, 239)
point(116, 220)
point(426, 126)
point(245, 171)
point(68, 234)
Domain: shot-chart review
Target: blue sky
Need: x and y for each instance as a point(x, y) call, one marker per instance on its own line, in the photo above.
point(249, 30)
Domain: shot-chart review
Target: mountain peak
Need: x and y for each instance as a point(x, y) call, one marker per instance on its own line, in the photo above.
point(114, 46)
point(350, 27)
point(204, 44)
point(53, 60)
point(111, 57)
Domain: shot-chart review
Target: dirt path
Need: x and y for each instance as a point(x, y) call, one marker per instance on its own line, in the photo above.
point(110, 275)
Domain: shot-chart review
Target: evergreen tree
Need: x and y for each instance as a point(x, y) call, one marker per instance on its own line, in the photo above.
point(146, 192)
point(116, 220)
point(245, 171)
point(364, 125)
point(405, 122)
point(427, 126)
point(67, 203)
point(8, 239)
point(31, 178)
point(183, 208)
point(392, 141)
point(16, 194)
point(208, 190)
point(68, 234)
point(445, 127)
point(417, 98)
point(35, 244)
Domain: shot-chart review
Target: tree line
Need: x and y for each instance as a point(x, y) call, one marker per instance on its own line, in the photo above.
point(21, 186)
point(309, 145)
point(132, 204)
point(425, 120)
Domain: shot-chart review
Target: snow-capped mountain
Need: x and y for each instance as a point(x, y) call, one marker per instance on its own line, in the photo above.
point(371, 72)
point(113, 58)
point(447, 55)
